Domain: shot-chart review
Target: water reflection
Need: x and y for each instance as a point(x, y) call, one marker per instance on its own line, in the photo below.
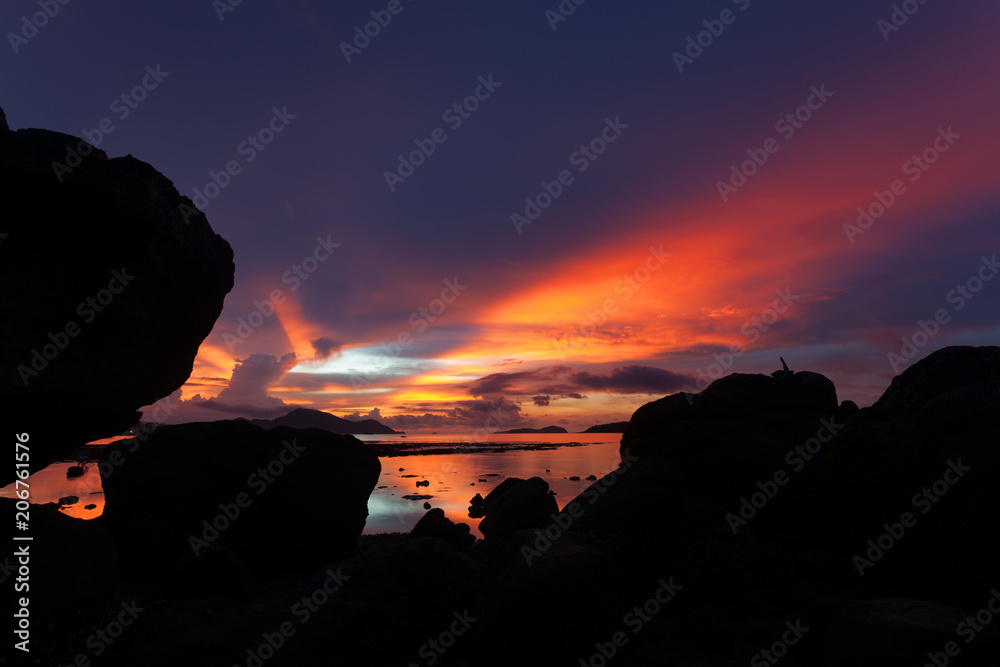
point(452, 479)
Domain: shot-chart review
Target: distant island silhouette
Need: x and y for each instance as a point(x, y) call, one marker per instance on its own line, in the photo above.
point(307, 418)
point(613, 427)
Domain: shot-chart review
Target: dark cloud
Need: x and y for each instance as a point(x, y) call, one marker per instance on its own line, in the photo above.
point(514, 383)
point(248, 411)
point(489, 414)
point(325, 347)
point(632, 379)
point(541, 401)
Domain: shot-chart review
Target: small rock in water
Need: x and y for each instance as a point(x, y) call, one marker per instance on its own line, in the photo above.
point(402, 469)
point(574, 478)
point(482, 479)
point(69, 500)
point(90, 506)
point(423, 482)
point(382, 487)
point(427, 505)
point(592, 477)
point(547, 470)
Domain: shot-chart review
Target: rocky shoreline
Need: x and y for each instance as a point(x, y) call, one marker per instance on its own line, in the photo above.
point(760, 518)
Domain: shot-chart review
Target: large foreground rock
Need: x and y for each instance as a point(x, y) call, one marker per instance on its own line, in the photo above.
point(390, 605)
point(732, 440)
point(930, 446)
point(111, 231)
point(515, 504)
point(197, 504)
point(68, 576)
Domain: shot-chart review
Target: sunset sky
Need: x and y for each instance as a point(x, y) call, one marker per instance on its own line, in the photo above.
point(430, 299)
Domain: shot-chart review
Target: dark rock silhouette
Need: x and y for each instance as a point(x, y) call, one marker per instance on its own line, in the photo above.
point(733, 439)
point(784, 372)
point(515, 504)
point(115, 290)
point(378, 608)
point(436, 524)
point(618, 507)
point(67, 582)
point(556, 604)
point(561, 584)
point(909, 452)
point(278, 500)
point(306, 418)
point(613, 427)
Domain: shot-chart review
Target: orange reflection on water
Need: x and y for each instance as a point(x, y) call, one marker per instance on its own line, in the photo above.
point(50, 484)
point(455, 478)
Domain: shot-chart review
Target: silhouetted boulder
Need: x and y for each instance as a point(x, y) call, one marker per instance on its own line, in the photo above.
point(558, 602)
point(928, 446)
point(896, 631)
point(754, 444)
point(277, 500)
point(71, 567)
point(436, 524)
point(515, 504)
point(388, 605)
point(116, 290)
point(632, 505)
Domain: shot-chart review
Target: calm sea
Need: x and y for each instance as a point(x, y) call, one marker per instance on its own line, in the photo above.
point(454, 478)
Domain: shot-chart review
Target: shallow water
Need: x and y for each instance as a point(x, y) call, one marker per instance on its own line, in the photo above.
point(453, 478)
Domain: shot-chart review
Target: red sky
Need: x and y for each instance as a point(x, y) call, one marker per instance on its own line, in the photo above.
point(641, 243)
